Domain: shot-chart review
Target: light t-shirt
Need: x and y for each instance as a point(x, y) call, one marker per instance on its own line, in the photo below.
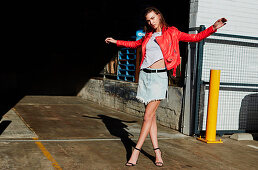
point(153, 51)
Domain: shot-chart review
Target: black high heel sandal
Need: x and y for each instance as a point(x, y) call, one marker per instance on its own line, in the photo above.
point(131, 164)
point(158, 164)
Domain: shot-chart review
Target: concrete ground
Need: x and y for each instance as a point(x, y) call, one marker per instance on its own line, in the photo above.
point(50, 132)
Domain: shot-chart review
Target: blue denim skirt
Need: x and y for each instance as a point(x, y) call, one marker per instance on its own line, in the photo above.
point(152, 86)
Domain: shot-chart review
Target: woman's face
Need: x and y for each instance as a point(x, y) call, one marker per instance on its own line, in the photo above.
point(153, 20)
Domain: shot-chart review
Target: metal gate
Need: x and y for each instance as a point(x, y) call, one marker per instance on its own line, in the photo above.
point(237, 58)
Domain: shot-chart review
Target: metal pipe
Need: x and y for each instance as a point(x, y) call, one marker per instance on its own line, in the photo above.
point(211, 122)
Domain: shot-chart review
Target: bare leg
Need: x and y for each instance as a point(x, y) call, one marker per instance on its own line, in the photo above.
point(146, 125)
point(154, 133)
point(154, 139)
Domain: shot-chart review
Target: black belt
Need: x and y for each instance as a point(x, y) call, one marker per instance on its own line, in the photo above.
point(153, 71)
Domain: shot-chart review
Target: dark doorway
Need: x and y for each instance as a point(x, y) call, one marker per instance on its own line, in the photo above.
point(55, 48)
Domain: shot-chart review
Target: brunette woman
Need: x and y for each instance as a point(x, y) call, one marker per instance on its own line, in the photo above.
point(160, 52)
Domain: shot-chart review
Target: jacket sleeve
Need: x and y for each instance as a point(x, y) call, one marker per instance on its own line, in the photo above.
point(129, 44)
point(196, 37)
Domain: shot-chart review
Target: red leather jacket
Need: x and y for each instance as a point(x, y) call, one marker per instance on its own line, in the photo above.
point(169, 44)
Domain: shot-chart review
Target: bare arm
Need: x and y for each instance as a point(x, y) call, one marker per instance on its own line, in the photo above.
point(127, 44)
point(110, 40)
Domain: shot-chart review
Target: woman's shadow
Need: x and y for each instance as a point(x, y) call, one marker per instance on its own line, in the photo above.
point(117, 128)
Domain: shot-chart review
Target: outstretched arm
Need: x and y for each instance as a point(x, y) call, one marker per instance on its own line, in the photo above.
point(204, 34)
point(110, 40)
point(128, 44)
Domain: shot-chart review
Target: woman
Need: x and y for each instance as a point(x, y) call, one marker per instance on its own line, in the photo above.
point(160, 52)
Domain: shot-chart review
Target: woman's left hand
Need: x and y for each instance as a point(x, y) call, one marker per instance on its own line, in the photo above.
point(219, 23)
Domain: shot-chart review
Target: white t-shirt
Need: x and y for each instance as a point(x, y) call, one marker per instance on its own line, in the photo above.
point(153, 51)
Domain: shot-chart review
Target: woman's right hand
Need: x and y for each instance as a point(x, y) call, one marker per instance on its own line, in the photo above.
point(110, 40)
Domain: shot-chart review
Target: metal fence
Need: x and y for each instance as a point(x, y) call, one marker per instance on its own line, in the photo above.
point(237, 58)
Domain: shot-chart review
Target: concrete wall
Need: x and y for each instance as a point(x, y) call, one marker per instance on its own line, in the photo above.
point(120, 95)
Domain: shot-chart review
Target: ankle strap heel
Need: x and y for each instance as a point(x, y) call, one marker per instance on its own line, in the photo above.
point(132, 164)
point(158, 164)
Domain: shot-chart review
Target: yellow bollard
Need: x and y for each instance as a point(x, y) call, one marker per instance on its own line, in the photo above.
point(212, 108)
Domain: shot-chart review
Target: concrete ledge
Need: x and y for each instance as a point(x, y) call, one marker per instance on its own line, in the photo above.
point(241, 136)
point(121, 95)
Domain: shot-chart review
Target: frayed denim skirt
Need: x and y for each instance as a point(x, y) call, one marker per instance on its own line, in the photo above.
point(152, 86)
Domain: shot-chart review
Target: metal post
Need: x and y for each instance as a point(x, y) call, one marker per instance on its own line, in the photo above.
point(212, 108)
point(198, 82)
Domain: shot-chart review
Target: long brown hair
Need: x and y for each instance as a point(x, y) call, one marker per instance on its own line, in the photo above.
point(147, 27)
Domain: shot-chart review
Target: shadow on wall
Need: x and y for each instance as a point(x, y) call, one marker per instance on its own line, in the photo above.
point(248, 116)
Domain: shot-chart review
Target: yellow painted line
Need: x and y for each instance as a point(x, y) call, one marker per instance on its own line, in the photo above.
point(47, 154)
